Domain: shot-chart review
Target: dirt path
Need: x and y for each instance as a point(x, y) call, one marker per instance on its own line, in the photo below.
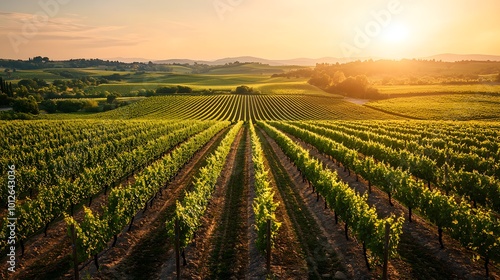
point(420, 254)
point(323, 244)
point(288, 260)
point(229, 254)
point(199, 253)
point(356, 101)
point(256, 260)
point(49, 257)
point(140, 252)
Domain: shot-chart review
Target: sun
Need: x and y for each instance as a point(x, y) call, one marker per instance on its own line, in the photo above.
point(396, 33)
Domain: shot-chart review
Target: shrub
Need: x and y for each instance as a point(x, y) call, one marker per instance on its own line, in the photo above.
point(184, 89)
point(69, 106)
point(11, 115)
point(111, 98)
point(49, 105)
point(166, 90)
point(26, 105)
point(243, 90)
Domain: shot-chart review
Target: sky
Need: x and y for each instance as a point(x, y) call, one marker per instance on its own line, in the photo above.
point(272, 29)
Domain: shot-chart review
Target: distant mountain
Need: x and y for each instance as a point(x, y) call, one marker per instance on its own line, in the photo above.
point(296, 61)
point(450, 57)
point(180, 61)
point(304, 61)
point(128, 59)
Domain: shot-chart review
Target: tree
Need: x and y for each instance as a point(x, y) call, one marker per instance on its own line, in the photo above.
point(22, 91)
point(184, 89)
point(25, 105)
point(243, 90)
point(320, 80)
point(7, 71)
point(91, 106)
point(338, 77)
point(166, 90)
point(69, 106)
point(28, 83)
point(111, 98)
point(49, 105)
point(40, 83)
point(37, 59)
point(4, 99)
point(60, 85)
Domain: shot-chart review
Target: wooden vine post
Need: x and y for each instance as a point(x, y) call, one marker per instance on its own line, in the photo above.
point(75, 256)
point(268, 251)
point(386, 250)
point(177, 249)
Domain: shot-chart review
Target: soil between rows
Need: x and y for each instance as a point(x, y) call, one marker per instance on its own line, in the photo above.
point(200, 253)
point(419, 250)
point(326, 250)
point(309, 244)
point(50, 257)
point(143, 250)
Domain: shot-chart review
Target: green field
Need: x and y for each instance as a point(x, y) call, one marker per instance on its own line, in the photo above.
point(297, 88)
point(224, 82)
point(432, 89)
point(444, 107)
point(324, 167)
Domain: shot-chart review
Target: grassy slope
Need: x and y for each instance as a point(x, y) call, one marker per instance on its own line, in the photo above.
point(258, 76)
point(406, 89)
point(197, 82)
point(445, 107)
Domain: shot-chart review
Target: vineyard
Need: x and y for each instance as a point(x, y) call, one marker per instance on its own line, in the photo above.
point(232, 139)
point(245, 108)
point(314, 199)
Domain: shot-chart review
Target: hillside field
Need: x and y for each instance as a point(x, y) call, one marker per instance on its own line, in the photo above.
point(205, 176)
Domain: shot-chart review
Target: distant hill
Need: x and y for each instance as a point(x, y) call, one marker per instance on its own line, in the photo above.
point(128, 59)
point(332, 60)
point(296, 61)
point(450, 57)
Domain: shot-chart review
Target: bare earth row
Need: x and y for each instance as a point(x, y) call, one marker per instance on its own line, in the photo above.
point(309, 245)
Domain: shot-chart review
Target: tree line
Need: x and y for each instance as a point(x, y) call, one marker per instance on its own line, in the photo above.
point(353, 86)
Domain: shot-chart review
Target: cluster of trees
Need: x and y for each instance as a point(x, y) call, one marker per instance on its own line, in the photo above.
point(79, 83)
point(28, 96)
point(27, 93)
point(6, 92)
point(173, 89)
point(75, 88)
point(245, 90)
point(75, 105)
point(357, 87)
point(6, 88)
point(31, 95)
point(299, 73)
point(26, 105)
point(165, 90)
point(417, 72)
point(40, 62)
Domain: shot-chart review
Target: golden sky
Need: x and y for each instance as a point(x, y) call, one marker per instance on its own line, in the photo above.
point(273, 29)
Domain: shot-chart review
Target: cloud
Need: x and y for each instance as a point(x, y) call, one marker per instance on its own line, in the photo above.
point(71, 24)
point(70, 30)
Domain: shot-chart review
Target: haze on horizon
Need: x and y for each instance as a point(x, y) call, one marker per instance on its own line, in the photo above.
point(279, 29)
